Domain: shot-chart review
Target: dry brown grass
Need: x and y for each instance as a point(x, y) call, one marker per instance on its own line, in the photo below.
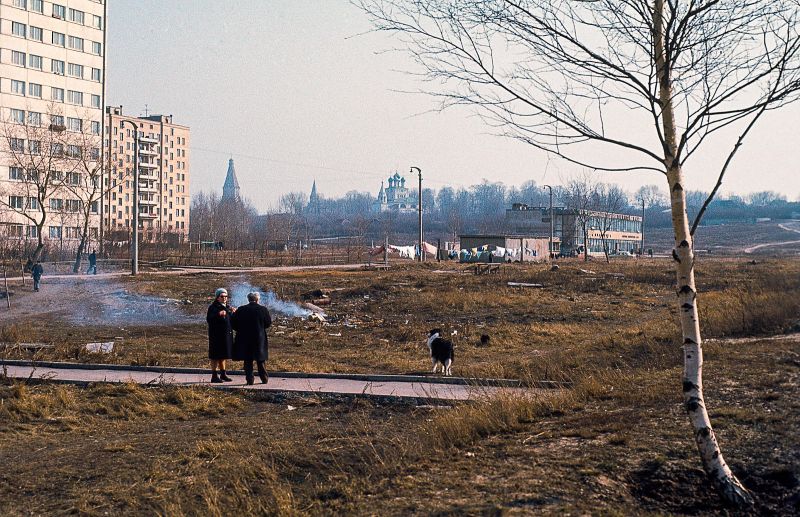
point(617, 442)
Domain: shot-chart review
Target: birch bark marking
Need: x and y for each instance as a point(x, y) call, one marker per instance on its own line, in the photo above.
point(714, 464)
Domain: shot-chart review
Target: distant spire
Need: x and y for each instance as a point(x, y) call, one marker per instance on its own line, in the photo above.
point(230, 190)
point(382, 195)
point(313, 200)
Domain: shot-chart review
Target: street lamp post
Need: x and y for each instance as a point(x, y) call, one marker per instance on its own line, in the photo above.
point(419, 209)
point(550, 250)
point(135, 217)
point(641, 246)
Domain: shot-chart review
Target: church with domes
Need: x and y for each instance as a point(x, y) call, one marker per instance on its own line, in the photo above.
point(396, 197)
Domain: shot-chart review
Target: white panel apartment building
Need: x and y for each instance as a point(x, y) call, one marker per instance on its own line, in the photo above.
point(163, 177)
point(52, 75)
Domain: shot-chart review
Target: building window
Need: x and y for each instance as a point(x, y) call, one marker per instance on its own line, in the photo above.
point(57, 94)
point(76, 16)
point(18, 58)
point(74, 151)
point(16, 202)
point(76, 43)
point(17, 116)
point(55, 231)
point(37, 33)
point(16, 173)
point(58, 39)
point(34, 118)
point(96, 102)
point(97, 48)
point(75, 70)
point(35, 146)
point(95, 127)
point(97, 22)
point(74, 97)
point(96, 75)
point(17, 145)
point(18, 29)
point(35, 61)
point(59, 11)
point(57, 67)
point(74, 124)
point(22, 4)
point(17, 87)
point(57, 121)
point(37, 6)
point(33, 204)
point(35, 90)
point(15, 231)
point(31, 231)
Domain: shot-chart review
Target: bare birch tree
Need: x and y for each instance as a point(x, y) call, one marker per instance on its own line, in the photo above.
point(578, 196)
point(83, 181)
point(560, 75)
point(36, 159)
point(608, 200)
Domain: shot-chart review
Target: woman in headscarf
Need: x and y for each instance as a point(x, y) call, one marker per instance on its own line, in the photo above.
point(220, 335)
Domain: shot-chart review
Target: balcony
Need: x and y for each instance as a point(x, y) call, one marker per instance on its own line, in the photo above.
point(147, 151)
point(147, 140)
point(147, 165)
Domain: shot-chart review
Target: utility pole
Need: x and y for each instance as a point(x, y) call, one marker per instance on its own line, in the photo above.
point(550, 249)
point(135, 216)
point(421, 236)
point(641, 246)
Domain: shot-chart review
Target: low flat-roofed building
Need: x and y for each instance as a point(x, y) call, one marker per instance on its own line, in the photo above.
point(620, 233)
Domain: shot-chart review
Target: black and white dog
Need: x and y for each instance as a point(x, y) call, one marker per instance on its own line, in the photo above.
point(441, 351)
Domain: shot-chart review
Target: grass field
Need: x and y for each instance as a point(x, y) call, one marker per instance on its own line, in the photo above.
point(617, 443)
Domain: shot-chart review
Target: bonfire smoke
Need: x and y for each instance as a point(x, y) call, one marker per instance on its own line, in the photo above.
point(238, 297)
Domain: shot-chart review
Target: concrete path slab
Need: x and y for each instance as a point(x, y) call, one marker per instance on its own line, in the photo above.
point(277, 383)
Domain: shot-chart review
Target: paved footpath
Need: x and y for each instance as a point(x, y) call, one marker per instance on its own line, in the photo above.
point(398, 386)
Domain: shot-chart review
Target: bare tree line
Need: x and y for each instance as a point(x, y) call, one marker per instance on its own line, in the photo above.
point(450, 211)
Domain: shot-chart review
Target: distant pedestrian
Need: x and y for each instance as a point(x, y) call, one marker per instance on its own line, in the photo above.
point(220, 335)
point(36, 272)
point(251, 322)
point(92, 263)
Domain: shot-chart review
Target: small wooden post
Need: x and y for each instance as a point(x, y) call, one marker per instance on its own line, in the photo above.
point(386, 250)
point(22, 267)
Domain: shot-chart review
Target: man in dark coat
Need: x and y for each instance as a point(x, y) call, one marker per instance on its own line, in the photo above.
point(92, 263)
point(251, 322)
point(36, 272)
point(220, 335)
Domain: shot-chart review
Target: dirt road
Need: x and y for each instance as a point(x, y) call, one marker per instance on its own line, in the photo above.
point(793, 226)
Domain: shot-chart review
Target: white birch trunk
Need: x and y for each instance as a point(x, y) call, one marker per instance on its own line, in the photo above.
point(714, 464)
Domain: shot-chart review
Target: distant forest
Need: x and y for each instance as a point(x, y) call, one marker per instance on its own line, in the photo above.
point(448, 212)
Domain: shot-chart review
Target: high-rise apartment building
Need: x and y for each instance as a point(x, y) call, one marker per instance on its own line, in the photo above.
point(52, 76)
point(163, 177)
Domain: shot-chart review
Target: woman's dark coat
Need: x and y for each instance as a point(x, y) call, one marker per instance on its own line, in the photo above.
point(251, 322)
point(220, 332)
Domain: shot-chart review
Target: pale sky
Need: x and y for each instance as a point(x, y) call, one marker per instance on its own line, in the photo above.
point(295, 91)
